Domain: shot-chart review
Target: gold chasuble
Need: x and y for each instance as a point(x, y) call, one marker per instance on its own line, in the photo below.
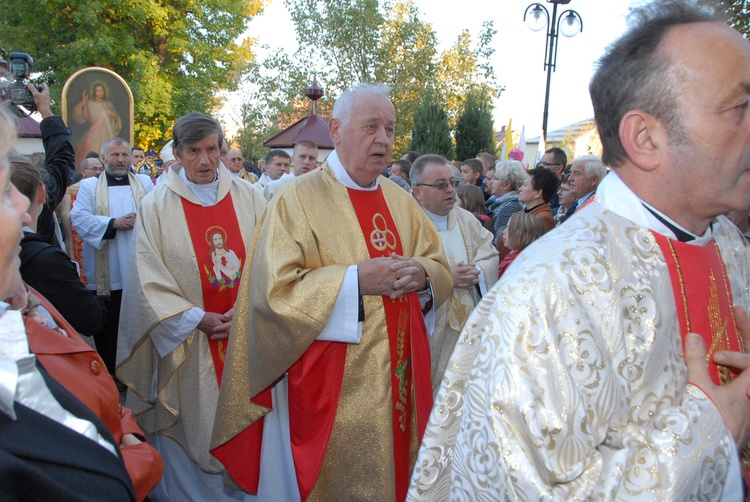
point(355, 410)
point(186, 255)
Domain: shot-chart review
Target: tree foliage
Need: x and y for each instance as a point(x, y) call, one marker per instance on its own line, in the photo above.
point(345, 42)
point(432, 131)
point(474, 130)
point(739, 12)
point(175, 54)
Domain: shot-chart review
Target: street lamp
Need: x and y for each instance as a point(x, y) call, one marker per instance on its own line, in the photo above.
point(569, 24)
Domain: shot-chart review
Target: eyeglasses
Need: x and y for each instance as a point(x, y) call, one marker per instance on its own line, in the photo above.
point(546, 164)
point(440, 185)
point(236, 159)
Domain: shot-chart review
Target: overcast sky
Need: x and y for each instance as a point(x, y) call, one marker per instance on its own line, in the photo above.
point(519, 52)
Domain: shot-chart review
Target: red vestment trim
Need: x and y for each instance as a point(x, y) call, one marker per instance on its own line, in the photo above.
point(77, 243)
point(220, 252)
point(703, 298)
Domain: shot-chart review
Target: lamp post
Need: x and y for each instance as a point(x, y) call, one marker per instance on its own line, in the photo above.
point(569, 24)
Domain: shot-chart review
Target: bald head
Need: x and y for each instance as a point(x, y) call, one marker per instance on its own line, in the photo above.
point(235, 161)
point(91, 167)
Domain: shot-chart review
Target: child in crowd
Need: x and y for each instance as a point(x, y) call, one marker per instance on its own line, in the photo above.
point(472, 172)
point(471, 198)
point(522, 230)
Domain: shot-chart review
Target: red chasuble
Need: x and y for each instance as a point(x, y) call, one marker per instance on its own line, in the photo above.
point(220, 252)
point(703, 298)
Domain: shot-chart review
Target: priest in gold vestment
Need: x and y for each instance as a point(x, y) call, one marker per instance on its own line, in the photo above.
point(468, 248)
point(593, 369)
point(178, 303)
point(330, 318)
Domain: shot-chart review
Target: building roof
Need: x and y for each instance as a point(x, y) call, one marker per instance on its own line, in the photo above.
point(313, 128)
point(27, 126)
point(558, 135)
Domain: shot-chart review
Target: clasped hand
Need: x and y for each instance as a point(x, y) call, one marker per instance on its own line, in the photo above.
point(217, 326)
point(465, 275)
point(393, 276)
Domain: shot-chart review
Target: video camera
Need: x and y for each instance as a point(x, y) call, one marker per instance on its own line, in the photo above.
point(16, 91)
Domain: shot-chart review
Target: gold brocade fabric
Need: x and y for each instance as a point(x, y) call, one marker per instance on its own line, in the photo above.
point(249, 177)
point(466, 240)
point(165, 281)
point(305, 241)
point(568, 382)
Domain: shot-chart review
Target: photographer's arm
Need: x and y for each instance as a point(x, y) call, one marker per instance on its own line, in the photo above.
point(59, 154)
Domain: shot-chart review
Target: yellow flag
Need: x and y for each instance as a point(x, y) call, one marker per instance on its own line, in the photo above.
point(508, 144)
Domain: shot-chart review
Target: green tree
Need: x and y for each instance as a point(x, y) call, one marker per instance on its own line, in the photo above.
point(739, 13)
point(431, 132)
point(474, 131)
point(351, 41)
point(176, 55)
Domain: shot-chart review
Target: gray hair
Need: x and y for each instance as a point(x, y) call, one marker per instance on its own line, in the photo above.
point(635, 74)
point(510, 171)
point(193, 127)
point(592, 166)
point(417, 168)
point(343, 106)
point(114, 141)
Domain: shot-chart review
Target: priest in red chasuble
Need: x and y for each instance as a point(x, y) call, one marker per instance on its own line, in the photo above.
point(596, 368)
point(178, 306)
point(327, 384)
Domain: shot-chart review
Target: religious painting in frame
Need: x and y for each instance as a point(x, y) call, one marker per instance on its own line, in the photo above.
point(96, 104)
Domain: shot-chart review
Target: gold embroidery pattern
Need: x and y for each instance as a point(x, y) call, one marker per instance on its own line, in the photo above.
point(459, 311)
point(577, 348)
point(719, 332)
point(402, 366)
point(682, 285)
point(381, 238)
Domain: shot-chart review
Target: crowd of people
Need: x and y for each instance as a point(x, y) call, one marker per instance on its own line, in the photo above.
point(186, 326)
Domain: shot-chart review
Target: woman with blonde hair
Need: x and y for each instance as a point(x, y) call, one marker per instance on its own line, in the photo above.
point(471, 198)
point(523, 229)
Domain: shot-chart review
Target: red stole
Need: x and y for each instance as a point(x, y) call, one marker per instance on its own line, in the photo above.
point(220, 251)
point(75, 239)
point(703, 298)
point(407, 335)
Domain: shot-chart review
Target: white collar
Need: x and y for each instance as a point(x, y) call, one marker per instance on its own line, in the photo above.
point(342, 175)
point(441, 222)
point(614, 195)
point(206, 193)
